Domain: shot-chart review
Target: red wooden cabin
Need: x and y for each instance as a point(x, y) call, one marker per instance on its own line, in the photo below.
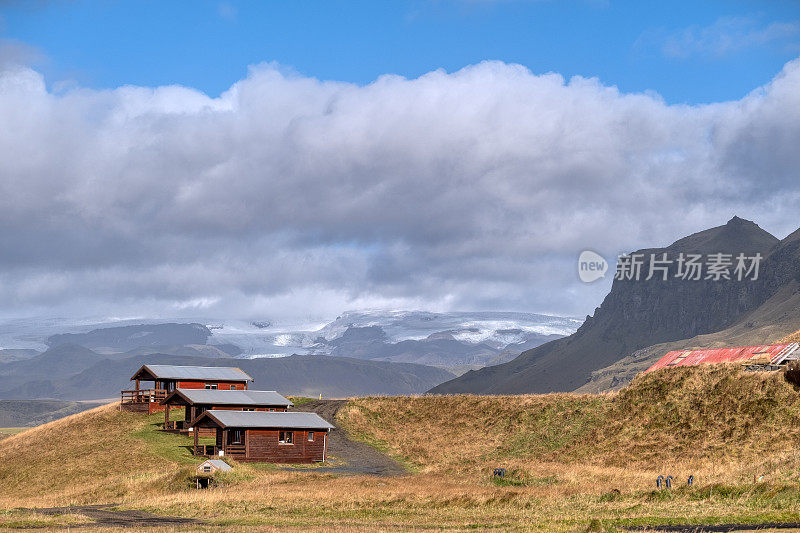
point(271, 437)
point(167, 378)
point(196, 401)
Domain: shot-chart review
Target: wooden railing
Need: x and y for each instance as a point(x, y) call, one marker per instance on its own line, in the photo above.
point(235, 449)
point(143, 395)
point(212, 450)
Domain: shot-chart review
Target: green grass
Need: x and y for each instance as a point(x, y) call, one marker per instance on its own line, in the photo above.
point(7, 432)
point(171, 446)
point(301, 400)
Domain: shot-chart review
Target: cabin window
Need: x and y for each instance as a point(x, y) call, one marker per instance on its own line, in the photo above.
point(286, 437)
point(271, 409)
point(207, 468)
point(236, 436)
point(233, 387)
point(310, 436)
point(211, 386)
point(248, 409)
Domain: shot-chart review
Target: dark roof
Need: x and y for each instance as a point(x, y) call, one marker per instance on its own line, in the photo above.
point(228, 397)
point(265, 419)
point(221, 373)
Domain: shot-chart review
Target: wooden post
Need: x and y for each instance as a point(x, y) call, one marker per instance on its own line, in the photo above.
point(166, 416)
point(195, 440)
point(224, 442)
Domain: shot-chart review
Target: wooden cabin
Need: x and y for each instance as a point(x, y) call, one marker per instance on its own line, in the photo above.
point(197, 401)
point(167, 378)
point(272, 437)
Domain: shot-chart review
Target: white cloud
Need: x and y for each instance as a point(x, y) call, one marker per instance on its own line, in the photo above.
point(729, 35)
point(291, 196)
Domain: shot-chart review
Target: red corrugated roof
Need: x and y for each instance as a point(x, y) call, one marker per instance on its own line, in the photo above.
point(776, 353)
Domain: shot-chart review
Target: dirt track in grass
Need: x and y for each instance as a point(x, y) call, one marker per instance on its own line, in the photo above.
point(358, 458)
point(104, 516)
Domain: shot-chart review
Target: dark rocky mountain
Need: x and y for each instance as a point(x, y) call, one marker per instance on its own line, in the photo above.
point(639, 314)
point(125, 338)
point(298, 374)
point(776, 318)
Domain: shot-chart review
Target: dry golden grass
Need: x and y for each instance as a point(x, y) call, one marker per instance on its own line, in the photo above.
point(708, 415)
point(571, 459)
point(89, 457)
point(794, 337)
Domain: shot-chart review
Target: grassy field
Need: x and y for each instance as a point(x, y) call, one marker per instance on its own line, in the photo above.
point(573, 462)
point(7, 432)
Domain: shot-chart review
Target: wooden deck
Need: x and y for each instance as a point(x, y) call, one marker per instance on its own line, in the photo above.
point(143, 400)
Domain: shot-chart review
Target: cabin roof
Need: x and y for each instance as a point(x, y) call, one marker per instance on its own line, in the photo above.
point(227, 397)
point(216, 463)
point(264, 419)
point(775, 353)
point(220, 373)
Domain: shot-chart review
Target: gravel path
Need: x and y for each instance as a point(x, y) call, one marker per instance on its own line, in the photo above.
point(359, 458)
point(719, 528)
point(103, 517)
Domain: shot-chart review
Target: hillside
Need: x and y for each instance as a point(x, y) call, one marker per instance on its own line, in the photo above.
point(571, 461)
point(300, 374)
point(687, 415)
point(640, 314)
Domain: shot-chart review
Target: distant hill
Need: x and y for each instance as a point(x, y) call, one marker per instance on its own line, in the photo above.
point(20, 413)
point(62, 360)
point(125, 338)
point(225, 351)
point(299, 375)
point(9, 355)
point(440, 349)
point(639, 314)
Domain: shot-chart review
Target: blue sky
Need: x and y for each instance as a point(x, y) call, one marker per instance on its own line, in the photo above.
point(687, 51)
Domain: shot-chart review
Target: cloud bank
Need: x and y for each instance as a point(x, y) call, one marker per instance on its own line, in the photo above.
point(290, 196)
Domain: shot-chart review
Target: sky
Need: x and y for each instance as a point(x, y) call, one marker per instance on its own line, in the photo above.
point(298, 159)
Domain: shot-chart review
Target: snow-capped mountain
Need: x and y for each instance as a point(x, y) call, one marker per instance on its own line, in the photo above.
point(458, 341)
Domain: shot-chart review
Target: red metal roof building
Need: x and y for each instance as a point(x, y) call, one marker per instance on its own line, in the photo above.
point(774, 353)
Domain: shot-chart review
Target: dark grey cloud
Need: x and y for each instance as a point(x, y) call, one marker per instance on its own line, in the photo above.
point(292, 196)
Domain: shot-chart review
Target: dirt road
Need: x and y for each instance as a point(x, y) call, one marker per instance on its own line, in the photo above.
point(719, 528)
point(104, 517)
point(359, 458)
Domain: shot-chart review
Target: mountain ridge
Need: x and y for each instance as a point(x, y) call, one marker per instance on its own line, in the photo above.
point(638, 314)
